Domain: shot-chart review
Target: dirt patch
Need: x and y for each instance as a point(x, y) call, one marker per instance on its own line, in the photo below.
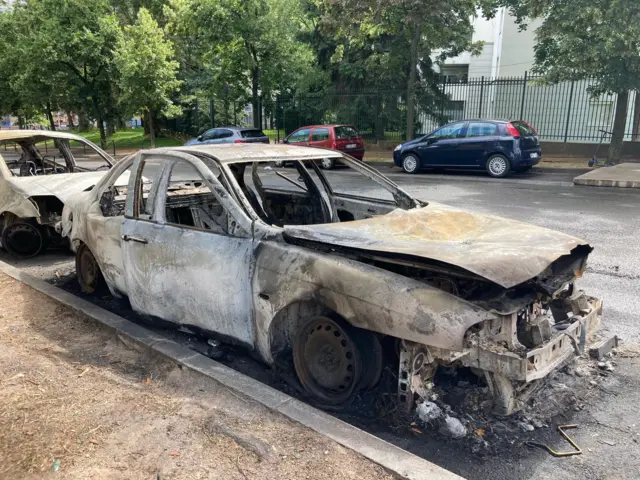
point(76, 399)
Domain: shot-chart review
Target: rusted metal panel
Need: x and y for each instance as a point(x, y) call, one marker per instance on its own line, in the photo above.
point(503, 251)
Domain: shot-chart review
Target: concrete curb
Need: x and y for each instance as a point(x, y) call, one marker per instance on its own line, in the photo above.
point(575, 170)
point(591, 182)
point(394, 459)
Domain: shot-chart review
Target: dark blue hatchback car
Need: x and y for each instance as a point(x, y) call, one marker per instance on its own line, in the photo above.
point(495, 146)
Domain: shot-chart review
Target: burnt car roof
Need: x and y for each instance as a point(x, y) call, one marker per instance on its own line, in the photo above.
point(36, 135)
point(254, 152)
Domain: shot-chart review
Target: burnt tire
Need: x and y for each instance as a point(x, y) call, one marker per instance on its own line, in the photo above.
point(327, 360)
point(372, 357)
point(23, 239)
point(498, 166)
point(88, 271)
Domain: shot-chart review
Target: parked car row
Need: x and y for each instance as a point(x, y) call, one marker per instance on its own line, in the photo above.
point(298, 267)
point(498, 147)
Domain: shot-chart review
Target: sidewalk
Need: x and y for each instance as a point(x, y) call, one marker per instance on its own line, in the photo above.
point(625, 175)
point(75, 397)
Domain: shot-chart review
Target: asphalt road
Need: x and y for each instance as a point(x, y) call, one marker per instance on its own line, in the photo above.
point(609, 220)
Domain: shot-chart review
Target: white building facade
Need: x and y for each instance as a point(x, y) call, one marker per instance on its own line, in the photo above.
point(498, 84)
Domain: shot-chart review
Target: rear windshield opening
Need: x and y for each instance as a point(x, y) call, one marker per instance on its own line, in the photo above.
point(252, 133)
point(346, 133)
point(524, 128)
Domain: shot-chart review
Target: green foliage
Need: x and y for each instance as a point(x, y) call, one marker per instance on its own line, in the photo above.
point(144, 58)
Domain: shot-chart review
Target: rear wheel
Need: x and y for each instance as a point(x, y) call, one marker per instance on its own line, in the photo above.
point(498, 166)
point(88, 271)
point(411, 163)
point(327, 360)
point(23, 239)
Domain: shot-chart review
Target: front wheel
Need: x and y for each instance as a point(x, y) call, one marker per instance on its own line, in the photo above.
point(327, 360)
point(328, 163)
point(498, 166)
point(23, 239)
point(410, 163)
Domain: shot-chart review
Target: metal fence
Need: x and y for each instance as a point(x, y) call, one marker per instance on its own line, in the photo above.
point(564, 112)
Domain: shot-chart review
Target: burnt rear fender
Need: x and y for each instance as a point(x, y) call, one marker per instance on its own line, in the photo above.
point(366, 296)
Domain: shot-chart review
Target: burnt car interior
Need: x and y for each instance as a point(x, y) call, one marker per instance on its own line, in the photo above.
point(305, 196)
point(45, 156)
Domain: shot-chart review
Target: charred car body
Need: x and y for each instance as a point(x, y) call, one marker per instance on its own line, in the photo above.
point(38, 172)
point(214, 238)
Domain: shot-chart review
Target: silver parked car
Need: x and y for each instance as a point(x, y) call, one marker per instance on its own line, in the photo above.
point(229, 135)
point(39, 170)
point(214, 238)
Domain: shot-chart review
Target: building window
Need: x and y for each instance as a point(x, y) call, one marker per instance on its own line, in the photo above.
point(454, 73)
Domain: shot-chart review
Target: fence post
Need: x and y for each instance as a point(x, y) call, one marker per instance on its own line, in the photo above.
point(212, 112)
point(566, 128)
point(443, 95)
point(114, 148)
point(481, 95)
point(524, 92)
point(277, 118)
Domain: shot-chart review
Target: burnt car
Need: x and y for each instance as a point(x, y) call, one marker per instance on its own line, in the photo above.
point(336, 282)
point(39, 170)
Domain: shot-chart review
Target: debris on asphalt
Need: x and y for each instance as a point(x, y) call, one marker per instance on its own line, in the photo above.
point(608, 442)
point(453, 427)
point(428, 412)
point(608, 366)
point(56, 465)
point(602, 348)
point(526, 427)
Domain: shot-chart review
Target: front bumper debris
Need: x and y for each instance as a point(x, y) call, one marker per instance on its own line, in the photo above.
point(541, 361)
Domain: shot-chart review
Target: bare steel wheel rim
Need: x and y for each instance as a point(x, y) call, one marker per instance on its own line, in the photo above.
point(410, 163)
point(23, 240)
point(327, 361)
point(497, 166)
point(327, 163)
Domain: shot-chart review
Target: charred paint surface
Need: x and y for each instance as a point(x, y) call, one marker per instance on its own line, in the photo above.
point(503, 251)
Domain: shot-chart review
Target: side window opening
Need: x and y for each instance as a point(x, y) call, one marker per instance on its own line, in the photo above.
point(112, 201)
point(145, 183)
point(191, 203)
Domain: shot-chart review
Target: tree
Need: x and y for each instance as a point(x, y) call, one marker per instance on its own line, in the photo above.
point(147, 70)
point(397, 39)
point(63, 54)
point(595, 39)
point(240, 43)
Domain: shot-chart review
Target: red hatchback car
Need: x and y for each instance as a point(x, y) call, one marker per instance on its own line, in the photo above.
point(344, 138)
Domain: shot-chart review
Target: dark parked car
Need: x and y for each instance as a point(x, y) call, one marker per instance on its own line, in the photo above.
point(495, 146)
point(230, 135)
point(344, 138)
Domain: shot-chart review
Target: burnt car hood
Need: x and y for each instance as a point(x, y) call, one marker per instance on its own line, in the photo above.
point(61, 185)
point(506, 252)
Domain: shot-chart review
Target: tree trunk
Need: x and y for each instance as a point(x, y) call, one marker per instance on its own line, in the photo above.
point(52, 123)
point(21, 122)
point(149, 124)
point(70, 119)
point(255, 100)
point(411, 84)
point(100, 121)
point(110, 127)
point(83, 122)
point(619, 123)
point(635, 132)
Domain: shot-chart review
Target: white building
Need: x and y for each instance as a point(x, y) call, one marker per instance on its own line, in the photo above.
point(498, 84)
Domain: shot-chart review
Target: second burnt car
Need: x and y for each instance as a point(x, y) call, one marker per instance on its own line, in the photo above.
point(39, 170)
point(340, 280)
